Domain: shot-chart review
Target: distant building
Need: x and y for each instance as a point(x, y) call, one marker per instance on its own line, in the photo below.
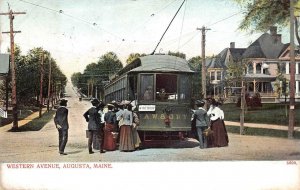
point(266, 68)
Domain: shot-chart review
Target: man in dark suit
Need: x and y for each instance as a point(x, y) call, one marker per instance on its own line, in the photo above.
point(202, 122)
point(95, 128)
point(62, 125)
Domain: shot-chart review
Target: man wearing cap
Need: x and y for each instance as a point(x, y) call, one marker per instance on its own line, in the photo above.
point(93, 118)
point(202, 122)
point(62, 125)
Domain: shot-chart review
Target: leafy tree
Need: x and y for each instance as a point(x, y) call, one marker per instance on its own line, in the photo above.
point(195, 64)
point(28, 75)
point(235, 73)
point(261, 14)
point(177, 54)
point(95, 75)
point(133, 56)
point(75, 78)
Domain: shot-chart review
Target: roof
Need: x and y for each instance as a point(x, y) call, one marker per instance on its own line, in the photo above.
point(236, 53)
point(259, 77)
point(220, 61)
point(163, 63)
point(217, 61)
point(266, 46)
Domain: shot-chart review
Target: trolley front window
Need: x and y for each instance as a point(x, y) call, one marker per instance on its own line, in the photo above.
point(147, 92)
point(166, 87)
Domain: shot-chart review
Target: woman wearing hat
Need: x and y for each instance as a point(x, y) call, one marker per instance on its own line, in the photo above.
point(219, 136)
point(110, 129)
point(126, 136)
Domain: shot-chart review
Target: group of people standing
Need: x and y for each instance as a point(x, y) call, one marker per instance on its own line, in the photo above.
point(209, 125)
point(117, 126)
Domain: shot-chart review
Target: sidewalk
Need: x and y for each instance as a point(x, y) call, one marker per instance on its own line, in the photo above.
point(264, 126)
point(24, 121)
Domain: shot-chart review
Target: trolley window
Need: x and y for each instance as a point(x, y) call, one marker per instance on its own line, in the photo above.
point(184, 88)
point(166, 87)
point(147, 92)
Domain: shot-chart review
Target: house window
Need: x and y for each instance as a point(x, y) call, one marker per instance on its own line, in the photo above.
point(297, 68)
point(212, 76)
point(258, 68)
point(250, 68)
point(282, 68)
point(218, 75)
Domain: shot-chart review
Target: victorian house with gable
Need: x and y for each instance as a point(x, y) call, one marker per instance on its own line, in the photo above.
point(265, 65)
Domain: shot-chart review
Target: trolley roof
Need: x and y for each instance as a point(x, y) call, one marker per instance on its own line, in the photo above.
point(162, 63)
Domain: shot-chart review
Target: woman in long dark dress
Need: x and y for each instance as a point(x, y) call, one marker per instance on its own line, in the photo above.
point(109, 130)
point(219, 137)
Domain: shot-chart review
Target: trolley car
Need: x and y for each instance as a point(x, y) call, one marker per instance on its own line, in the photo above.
point(160, 85)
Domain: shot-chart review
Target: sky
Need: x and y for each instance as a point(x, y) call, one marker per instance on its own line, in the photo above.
point(78, 32)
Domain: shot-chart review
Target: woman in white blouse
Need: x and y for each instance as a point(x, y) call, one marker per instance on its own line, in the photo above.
point(126, 136)
point(219, 137)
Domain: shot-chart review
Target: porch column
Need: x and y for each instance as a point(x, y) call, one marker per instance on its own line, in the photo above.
point(297, 88)
point(254, 86)
point(287, 68)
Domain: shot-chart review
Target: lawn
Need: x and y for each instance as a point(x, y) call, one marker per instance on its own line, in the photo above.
point(37, 123)
point(268, 114)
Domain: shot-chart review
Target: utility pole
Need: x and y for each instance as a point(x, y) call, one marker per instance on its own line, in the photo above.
point(292, 73)
point(49, 86)
point(203, 73)
point(11, 15)
point(41, 84)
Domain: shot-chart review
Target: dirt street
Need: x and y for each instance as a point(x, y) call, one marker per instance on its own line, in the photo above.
point(41, 146)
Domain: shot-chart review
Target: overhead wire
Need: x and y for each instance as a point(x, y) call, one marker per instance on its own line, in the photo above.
point(167, 27)
point(73, 17)
point(134, 31)
point(182, 25)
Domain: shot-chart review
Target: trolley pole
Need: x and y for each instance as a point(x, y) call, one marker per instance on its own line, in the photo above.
point(11, 15)
point(292, 73)
point(203, 73)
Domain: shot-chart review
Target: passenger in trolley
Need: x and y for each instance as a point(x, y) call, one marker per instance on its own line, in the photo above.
point(148, 95)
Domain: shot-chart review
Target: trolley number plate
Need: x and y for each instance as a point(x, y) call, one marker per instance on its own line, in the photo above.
point(146, 107)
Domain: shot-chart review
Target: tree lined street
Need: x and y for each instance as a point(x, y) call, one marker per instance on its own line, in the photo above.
point(42, 146)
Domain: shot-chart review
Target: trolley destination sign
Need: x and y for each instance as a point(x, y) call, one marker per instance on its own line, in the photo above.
point(146, 107)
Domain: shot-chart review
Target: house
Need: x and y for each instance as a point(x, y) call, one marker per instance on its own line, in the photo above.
point(217, 69)
point(266, 68)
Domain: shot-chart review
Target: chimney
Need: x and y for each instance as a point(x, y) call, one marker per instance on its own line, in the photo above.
point(232, 44)
point(273, 30)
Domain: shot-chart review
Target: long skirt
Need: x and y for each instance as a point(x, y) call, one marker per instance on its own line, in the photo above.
point(136, 138)
point(219, 137)
point(126, 138)
point(109, 139)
